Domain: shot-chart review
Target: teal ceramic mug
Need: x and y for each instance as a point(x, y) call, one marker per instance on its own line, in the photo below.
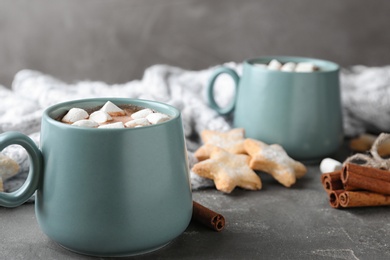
point(299, 110)
point(107, 192)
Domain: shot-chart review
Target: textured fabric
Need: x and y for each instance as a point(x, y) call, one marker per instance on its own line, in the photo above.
point(21, 108)
point(365, 99)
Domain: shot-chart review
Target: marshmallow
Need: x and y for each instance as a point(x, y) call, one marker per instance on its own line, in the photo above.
point(288, 67)
point(100, 117)
point(75, 114)
point(141, 113)
point(305, 67)
point(274, 65)
point(113, 125)
point(260, 65)
point(112, 109)
point(156, 118)
point(86, 123)
point(330, 165)
point(137, 122)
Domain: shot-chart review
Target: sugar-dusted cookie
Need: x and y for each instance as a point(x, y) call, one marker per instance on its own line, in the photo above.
point(232, 141)
point(364, 142)
point(8, 167)
point(274, 160)
point(228, 171)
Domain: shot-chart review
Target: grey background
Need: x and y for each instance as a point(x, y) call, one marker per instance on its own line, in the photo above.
point(115, 40)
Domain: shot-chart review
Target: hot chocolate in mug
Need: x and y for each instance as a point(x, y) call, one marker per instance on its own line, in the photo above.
point(107, 192)
point(299, 110)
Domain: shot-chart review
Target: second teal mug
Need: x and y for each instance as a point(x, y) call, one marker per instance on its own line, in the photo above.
point(299, 110)
point(107, 192)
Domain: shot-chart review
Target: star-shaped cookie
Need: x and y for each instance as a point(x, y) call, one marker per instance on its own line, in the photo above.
point(232, 141)
point(274, 160)
point(228, 171)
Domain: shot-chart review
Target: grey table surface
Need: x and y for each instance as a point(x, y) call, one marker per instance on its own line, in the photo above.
point(273, 223)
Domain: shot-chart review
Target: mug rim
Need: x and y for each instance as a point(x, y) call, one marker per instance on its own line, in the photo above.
point(62, 107)
point(330, 66)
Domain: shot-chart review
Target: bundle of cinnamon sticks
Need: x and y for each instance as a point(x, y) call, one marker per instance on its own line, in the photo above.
point(357, 186)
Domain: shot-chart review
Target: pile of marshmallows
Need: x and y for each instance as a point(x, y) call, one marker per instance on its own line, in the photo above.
point(289, 66)
point(101, 118)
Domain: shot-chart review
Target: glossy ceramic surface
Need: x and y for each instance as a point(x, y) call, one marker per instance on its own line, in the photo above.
point(112, 192)
point(300, 111)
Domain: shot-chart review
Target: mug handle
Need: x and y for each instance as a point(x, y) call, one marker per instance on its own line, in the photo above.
point(18, 197)
point(210, 90)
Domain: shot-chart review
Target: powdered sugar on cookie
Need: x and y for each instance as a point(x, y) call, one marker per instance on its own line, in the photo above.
point(232, 141)
point(274, 160)
point(228, 171)
point(221, 159)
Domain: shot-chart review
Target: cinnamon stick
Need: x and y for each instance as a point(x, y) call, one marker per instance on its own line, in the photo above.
point(367, 171)
point(332, 180)
point(334, 199)
point(361, 186)
point(362, 199)
point(207, 217)
point(365, 178)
